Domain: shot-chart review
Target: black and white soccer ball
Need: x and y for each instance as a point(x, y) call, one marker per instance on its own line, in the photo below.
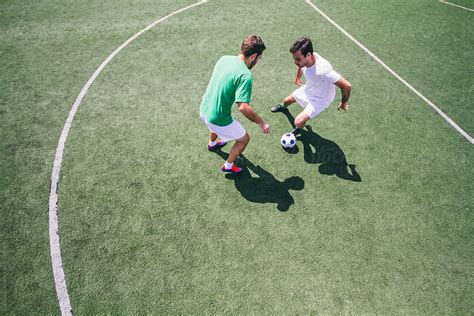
point(288, 140)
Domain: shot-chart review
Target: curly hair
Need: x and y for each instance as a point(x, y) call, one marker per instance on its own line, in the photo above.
point(251, 45)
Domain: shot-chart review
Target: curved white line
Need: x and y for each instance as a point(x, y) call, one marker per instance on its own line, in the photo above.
point(437, 109)
point(58, 271)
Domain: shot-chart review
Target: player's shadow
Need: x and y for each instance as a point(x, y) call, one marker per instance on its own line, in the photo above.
point(263, 187)
point(326, 153)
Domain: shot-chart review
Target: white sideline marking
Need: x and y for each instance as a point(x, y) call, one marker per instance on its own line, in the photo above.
point(456, 5)
point(59, 276)
point(438, 110)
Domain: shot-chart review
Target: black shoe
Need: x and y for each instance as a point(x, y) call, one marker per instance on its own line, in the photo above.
point(278, 108)
point(295, 131)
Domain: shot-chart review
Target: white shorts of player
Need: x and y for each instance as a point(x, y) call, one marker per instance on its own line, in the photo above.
point(233, 131)
point(312, 105)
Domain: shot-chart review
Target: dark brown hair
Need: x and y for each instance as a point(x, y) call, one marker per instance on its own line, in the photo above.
point(302, 44)
point(251, 45)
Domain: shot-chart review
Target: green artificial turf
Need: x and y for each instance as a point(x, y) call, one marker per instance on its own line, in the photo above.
point(427, 43)
point(48, 50)
point(372, 213)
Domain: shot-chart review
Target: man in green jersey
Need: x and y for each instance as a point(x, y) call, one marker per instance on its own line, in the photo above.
point(231, 82)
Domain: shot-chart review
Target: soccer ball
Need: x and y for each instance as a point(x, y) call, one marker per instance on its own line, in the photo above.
point(288, 140)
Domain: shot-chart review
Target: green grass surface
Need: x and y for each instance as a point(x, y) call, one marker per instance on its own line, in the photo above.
point(149, 224)
point(427, 43)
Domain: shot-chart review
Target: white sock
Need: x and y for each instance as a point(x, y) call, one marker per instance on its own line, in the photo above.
point(212, 143)
point(228, 165)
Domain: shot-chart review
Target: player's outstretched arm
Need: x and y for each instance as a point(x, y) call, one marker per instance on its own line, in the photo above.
point(249, 113)
point(345, 87)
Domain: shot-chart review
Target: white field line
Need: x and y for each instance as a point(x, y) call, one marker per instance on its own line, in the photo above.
point(59, 276)
point(456, 5)
point(437, 109)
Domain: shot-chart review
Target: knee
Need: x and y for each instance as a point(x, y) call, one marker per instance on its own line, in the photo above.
point(245, 140)
point(299, 122)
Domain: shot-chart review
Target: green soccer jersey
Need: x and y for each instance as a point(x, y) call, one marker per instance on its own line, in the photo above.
point(231, 82)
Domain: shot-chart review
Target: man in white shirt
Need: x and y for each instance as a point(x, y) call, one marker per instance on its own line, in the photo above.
point(320, 88)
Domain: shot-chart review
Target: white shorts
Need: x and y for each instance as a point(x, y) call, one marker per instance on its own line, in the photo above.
point(312, 105)
point(233, 131)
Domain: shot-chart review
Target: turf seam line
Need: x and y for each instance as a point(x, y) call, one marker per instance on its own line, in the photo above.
point(456, 5)
point(437, 109)
point(55, 248)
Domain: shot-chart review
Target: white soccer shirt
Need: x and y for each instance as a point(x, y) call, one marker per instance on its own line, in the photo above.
point(320, 79)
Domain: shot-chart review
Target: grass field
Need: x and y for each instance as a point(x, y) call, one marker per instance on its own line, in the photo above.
point(148, 223)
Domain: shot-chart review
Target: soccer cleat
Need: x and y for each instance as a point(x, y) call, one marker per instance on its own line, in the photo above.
point(295, 131)
point(219, 144)
point(278, 108)
point(233, 170)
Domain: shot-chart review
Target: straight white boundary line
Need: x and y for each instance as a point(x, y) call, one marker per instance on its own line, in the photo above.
point(438, 110)
point(456, 5)
point(55, 248)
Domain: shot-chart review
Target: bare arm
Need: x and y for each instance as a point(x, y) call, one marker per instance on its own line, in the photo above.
point(345, 87)
point(298, 77)
point(249, 113)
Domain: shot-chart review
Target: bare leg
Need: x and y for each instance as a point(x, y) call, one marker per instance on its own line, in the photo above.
point(238, 148)
point(284, 104)
point(289, 100)
point(301, 119)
